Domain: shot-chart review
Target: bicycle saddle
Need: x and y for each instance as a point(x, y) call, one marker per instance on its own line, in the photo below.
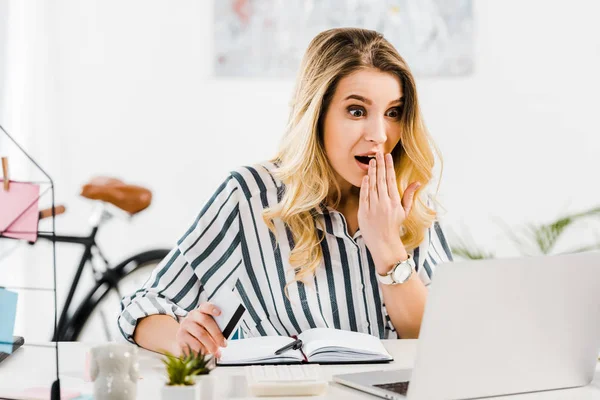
point(132, 199)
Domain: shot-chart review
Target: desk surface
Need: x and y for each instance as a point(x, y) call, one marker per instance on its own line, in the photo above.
point(33, 367)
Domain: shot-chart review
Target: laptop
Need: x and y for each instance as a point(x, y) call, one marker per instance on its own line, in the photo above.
point(18, 341)
point(501, 326)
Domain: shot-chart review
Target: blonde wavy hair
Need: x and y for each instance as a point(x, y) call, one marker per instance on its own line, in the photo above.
point(303, 166)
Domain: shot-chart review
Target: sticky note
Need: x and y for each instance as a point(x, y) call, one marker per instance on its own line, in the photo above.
point(20, 211)
point(8, 312)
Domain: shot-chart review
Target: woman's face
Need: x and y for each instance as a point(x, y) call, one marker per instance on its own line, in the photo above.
point(362, 118)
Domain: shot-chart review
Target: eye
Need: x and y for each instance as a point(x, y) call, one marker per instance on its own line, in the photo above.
point(395, 112)
point(357, 111)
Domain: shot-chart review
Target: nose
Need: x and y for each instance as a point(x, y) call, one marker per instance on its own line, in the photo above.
point(376, 130)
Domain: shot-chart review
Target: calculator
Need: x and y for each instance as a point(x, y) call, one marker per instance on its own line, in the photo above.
point(286, 380)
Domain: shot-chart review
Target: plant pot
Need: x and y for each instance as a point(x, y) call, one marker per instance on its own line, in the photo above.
point(180, 392)
point(205, 386)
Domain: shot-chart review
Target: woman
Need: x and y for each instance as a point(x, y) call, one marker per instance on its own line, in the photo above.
point(336, 231)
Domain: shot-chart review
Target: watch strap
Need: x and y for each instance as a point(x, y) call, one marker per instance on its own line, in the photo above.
point(388, 279)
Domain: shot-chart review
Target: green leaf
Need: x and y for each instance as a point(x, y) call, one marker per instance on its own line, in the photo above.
point(584, 249)
point(589, 213)
point(547, 235)
point(471, 254)
point(465, 247)
point(180, 370)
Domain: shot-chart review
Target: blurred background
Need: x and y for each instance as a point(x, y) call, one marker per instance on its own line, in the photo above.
point(174, 95)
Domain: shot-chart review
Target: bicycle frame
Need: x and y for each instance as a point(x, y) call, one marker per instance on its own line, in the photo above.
point(101, 215)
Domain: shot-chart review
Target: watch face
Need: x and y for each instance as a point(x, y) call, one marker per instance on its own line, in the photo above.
point(402, 272)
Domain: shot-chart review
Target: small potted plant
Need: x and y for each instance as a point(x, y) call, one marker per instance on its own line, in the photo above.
point(184, 374)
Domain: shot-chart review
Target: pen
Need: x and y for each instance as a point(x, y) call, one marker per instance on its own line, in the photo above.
point(295, 345)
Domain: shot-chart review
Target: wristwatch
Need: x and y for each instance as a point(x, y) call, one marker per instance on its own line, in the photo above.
point(399, 273)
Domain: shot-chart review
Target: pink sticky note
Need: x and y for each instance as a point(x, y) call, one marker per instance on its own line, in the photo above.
point(19, 210)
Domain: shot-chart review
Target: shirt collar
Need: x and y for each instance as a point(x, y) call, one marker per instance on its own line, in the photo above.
point(333, 221)
point(325, 216)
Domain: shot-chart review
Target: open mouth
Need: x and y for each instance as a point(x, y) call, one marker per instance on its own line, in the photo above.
point(364, 159)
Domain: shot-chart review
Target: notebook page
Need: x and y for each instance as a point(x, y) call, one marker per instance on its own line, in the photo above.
point(258, 349)
point(322, 339)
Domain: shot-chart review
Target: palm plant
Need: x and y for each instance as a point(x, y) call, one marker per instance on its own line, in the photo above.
point(181, 370)
point(533, 239)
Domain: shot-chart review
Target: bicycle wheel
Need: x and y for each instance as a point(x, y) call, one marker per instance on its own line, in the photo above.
point(95, 320)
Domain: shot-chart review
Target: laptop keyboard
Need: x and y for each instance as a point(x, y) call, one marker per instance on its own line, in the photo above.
point(396, 387)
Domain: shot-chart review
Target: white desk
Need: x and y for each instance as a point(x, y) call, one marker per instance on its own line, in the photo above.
point(33, 367)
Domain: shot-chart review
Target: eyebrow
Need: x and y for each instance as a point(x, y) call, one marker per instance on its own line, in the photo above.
point(369, 102)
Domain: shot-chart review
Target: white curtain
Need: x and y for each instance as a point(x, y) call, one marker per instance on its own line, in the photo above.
point(25, 76)
point(26, 84)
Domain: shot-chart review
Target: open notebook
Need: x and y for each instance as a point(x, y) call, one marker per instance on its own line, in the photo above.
point(319, 345)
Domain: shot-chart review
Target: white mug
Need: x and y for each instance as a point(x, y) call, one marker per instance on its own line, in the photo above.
point(114, 368)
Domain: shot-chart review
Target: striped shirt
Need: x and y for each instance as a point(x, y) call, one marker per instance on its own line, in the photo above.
point(229, 247)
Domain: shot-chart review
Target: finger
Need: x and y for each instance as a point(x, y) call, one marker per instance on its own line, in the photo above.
point(208, 322)
point(364, 193)
point(203, 337)
point(191, 343)
point(188, 340)
point(408, 197)
point(197, 348)
point(372, 181)
point(208, 308)
point(382, 189)
point(393, 191)
point(215, 332)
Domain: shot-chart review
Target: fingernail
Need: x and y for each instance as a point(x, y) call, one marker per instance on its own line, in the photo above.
point(216, 312)
point(224, 342)
point(372, 163)
point(218, 354)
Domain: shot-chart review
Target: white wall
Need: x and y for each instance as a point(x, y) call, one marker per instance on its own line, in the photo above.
point(3, 44)
point(520, 137)
point(129, 93)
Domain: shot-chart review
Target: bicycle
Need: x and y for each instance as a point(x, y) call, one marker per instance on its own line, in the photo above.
point(114, 198)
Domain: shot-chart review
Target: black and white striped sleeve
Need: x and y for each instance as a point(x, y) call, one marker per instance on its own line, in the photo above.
point(204, 259)
point(432, 251)
point(438, 251)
